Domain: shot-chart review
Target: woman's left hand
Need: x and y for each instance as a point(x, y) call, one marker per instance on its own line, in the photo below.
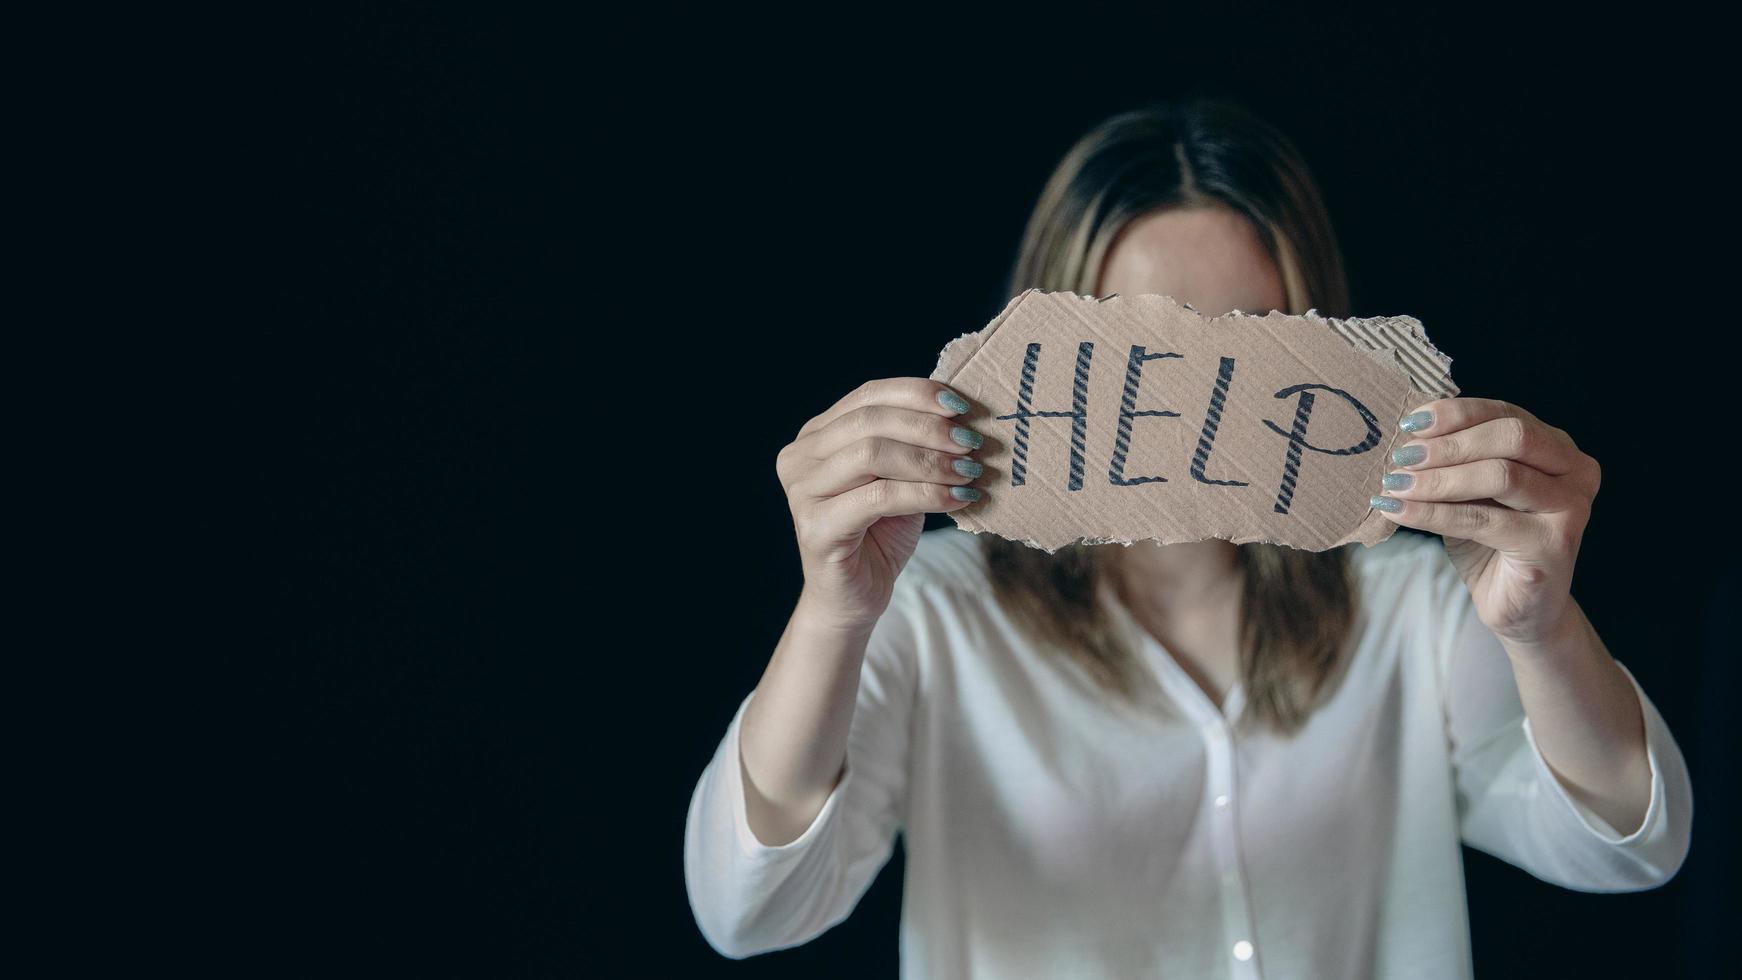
point(1511, 496)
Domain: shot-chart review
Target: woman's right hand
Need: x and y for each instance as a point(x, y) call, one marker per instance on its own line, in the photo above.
point(860, 479)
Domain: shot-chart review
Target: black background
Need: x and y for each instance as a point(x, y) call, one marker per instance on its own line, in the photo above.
point(548, 295)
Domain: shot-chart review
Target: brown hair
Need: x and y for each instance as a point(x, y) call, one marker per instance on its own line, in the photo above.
point(1296, 607)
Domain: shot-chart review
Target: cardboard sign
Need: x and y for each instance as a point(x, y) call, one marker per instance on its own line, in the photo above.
point(1134, 417)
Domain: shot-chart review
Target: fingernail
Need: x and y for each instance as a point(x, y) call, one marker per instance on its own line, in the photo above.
point(1416, 421)
point(1397, 481)
point(967, 437)
point(969, 468)
point(964, 493)
point(952, 401)
point(1408, 455)
point(1390, 505)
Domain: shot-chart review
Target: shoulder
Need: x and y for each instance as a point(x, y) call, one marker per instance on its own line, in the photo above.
point(1408, 569)
point(1408, 581)
point(942, 592)
point(1404, 556)
point(947, 561)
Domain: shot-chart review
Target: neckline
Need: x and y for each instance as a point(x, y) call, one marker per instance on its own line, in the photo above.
point(1173, 677)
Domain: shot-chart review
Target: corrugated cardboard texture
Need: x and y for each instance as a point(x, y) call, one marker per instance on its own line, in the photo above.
point(1134, 417)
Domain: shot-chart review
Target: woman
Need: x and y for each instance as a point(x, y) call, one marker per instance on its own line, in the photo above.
point(1194, 759)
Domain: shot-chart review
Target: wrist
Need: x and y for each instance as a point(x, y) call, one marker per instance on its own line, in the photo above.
point(1563, 631)
point(819, 616)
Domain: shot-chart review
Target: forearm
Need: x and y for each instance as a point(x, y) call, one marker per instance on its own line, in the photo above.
point(1586, 718)
point(793, 737)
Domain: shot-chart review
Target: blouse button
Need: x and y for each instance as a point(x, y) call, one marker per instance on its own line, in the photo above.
point(1242, 950)
point(1222, 802)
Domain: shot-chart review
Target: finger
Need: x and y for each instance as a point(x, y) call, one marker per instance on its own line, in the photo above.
point(926, 430)
point(1505, 481)
point(858, 509)
point(1500, 528)
point(1508, 437)
point(1447, 415)
point(875, 457)
point(914, 394)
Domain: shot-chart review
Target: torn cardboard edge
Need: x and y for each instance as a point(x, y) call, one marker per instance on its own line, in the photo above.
point(1397, 369)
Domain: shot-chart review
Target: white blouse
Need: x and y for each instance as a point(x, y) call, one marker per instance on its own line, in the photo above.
point(1050, 833)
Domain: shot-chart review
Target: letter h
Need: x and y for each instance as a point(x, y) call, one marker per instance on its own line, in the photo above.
point(1079, 415)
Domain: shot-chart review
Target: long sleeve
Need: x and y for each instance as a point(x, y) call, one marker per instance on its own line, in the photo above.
point(749, 897)
point(1512, 805)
